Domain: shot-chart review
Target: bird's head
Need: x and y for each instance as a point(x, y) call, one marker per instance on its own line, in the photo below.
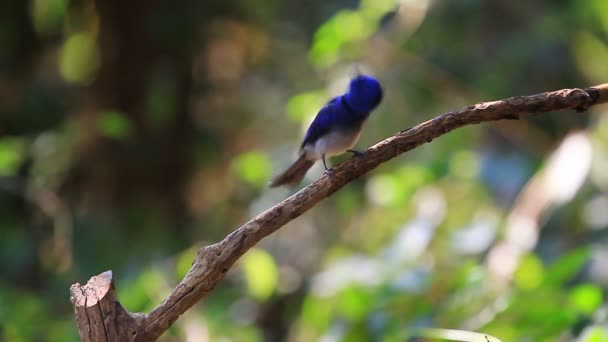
point(364, 93)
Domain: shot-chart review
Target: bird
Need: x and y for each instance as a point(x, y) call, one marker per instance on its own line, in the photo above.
point(335, 129)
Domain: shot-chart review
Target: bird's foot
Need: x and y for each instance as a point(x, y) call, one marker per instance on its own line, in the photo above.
point(356, 153)
point(329, 172)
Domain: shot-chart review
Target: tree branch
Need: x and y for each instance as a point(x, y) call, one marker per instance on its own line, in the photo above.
point(212, 262)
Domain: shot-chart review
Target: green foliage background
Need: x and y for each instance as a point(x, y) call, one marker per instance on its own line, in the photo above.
point(134, 132)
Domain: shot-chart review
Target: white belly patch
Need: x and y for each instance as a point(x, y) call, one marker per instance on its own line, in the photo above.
point(333, 143)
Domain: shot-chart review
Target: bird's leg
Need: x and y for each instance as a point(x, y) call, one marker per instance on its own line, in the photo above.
point(327, 170)
point(324, 162)
point(356, 153)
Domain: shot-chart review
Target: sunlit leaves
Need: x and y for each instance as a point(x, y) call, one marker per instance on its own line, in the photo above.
point(303, 106)
point(11, 155)
point(261, 273)
point(141, 293)
point(394, 189)
point(591, 53)
point(567, 266)
point(375, 9)
point(348, 201)
point(346, 27)
point(384, 189)
point(317, 312)
point(48, 15)
point(79, 58)
point(17, 323)
point(600, 9)
point(586, 298)
point(184, 262)
point(354, 302)
point(530, 273)
point(464, 164)
point(595, 334)
point(253, 167)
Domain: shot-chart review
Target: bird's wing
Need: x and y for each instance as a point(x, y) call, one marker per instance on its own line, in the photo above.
point(322, 123)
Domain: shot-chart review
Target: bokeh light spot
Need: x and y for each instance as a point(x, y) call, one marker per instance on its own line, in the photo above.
point(114, 125)
point(184, 262)
point(48, 15)
point(590, 54)
point(253, 167)
point(383, 189)
point(464, 164)
point(347, 26)
point(586, 298)
point(261, 273)
point(354, 302)
point(303, 106)
point(594, 334)
point(11, 155)
point(530, 273)
point(79, 59)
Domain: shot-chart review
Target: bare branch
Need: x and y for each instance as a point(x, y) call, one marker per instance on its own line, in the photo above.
point(212, 262)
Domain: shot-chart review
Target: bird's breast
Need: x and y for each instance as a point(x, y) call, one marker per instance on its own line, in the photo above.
point(334, 142)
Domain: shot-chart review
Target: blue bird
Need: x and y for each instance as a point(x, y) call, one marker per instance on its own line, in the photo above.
point(335, 129)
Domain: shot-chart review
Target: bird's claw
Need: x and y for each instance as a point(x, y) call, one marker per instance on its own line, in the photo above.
point(356, 153)
point(329, 172)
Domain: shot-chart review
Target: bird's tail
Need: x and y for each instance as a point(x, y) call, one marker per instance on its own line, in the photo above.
point(295, 173)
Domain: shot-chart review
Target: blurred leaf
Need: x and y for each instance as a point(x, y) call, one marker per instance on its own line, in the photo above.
point(567, 266)
point(375, 9)
point(464, 164)
point(413, 177)
point(184, 262)
point(348, 201)
point(317, 312)
point(590, 54)
point(79, 59)
point(384, 189)
point(595, 334)
point(357, 333)
point(261, 273)
point(141, 293)
point(114, 125)
point(600, 9)
point(12, 152)
point(18, 310)
point(395, 189)
point(304, 106)
point(344, 27)
point(252, 167)
point(246, 334)
point(586, 298)
point(48, 15)
point(530, 273)
point(354, 302)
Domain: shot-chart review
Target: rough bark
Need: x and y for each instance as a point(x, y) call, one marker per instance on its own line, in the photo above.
point(212, 262)
point(99, 315)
